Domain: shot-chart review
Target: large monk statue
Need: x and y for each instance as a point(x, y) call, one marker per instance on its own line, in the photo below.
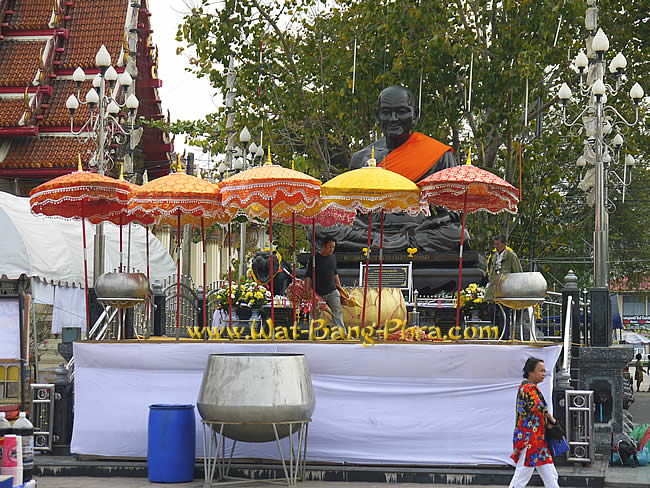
point(414, 156)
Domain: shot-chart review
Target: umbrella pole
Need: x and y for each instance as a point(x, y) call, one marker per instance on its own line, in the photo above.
point(128, 250)
point(313, 268)
point(229, 279)
point(178, 273)
point(365, 279)
point(271, 261)
point(460, 262)
point(121, 252)
point(83, 231)
point(293, 277)
point(205, 324)
point(381, 259)
point(146, 237)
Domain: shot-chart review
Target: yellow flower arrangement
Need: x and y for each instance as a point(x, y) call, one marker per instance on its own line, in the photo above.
point(473, 297)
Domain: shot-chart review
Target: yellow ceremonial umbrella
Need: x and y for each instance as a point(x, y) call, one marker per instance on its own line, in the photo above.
point(369, 189)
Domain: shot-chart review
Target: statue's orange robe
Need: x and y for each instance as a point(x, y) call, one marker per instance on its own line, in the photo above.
point(415, 157)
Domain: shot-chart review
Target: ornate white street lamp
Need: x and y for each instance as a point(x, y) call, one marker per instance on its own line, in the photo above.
point(601, 125)
point(103, 125)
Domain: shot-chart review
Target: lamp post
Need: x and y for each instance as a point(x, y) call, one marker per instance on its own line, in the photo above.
point(102, 126)
point(244, 139)
point(601, 125)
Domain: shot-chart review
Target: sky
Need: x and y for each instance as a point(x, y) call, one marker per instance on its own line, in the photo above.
point(183, 94)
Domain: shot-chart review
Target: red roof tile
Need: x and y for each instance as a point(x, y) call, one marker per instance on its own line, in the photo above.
point(47, 152)
point(19, 62)
point(57, 114)
point(11, 110)
point(94, 22)
point(30, 14)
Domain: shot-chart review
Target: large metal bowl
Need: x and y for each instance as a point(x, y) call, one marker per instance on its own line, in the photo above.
point(520, 290)
point(122, 290)
point(256, 389)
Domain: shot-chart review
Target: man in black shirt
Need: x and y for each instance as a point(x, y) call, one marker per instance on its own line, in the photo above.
point(327, 280)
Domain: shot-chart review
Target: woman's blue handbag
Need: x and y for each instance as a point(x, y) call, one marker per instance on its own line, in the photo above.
point(557, 447)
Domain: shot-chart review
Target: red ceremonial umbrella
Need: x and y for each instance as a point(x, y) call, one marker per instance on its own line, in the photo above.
point(176, 200)
point(80, 195)
point(262, 191)
point(469, 189)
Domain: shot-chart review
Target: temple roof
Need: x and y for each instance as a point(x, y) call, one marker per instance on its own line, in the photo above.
point(41, 43)
point(47, 152)
point(18, 67)
point(11, 111)
point(57, 115)
point(94, 23)
point(31, 15)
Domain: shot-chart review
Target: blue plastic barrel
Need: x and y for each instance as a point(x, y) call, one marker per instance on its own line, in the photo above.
point(171, 443)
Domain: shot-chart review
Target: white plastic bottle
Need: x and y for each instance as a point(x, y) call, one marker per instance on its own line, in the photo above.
point(5, 428)
point(24, 428)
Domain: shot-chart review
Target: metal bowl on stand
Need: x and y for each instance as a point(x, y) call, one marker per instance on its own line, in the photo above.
point(122, 290)
point(520, 290)
point(249, 392)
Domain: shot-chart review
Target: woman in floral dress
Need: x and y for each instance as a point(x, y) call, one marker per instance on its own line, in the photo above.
point(530, 448)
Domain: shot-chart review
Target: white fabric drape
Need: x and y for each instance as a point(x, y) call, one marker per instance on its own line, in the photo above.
point(409, 404)
point(69, 309)
point(9, 329)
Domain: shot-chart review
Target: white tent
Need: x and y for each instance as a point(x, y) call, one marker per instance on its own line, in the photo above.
point(51, 249)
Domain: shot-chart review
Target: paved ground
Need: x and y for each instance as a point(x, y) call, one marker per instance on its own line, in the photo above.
point(142, 483)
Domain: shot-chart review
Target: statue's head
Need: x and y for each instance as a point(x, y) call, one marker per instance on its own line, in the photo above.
point(397, 112)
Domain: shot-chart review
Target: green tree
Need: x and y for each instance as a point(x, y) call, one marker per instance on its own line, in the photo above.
point(301, 94)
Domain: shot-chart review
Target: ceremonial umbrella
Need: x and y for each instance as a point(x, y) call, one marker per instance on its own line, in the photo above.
point(469, 189)
point(80, 195)
point(176, 200)
point(261, 191)
point(368, 189)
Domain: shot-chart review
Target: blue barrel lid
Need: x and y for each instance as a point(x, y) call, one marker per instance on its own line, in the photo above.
point(163, 406)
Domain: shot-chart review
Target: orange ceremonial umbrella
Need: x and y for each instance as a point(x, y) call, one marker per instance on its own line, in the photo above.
point(80, 195)
point(262, 191)
point(176, 200)
point(469, 189)
point(368, 189)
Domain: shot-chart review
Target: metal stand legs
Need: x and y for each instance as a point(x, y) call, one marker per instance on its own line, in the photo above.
point(513, 322)
point(216, 462)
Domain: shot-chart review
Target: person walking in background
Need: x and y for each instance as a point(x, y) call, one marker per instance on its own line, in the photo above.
point(530, 448)
point(638, 373)
point(501, 260)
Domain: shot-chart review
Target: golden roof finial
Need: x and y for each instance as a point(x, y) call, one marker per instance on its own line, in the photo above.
point(179, 168)
point(268, 157)
point(469, 157)
point(79, 167)
point(292, 164)
point(27, 106)
point(121, 171)
point(145, 177)
point(372, 162)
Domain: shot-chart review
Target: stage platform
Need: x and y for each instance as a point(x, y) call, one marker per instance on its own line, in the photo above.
point(596, 475)
point(410, 404)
